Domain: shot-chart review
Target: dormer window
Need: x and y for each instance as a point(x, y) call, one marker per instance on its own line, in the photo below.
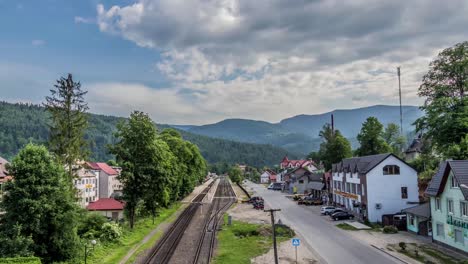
point(391, 170)
point(453, 182)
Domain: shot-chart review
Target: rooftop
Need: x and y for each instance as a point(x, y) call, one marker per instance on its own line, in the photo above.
point(105, 204)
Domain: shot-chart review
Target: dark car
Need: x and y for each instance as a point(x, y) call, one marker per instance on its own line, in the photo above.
point(276, 186)
point(255, 198)
point(341, 216)
point(335, 211)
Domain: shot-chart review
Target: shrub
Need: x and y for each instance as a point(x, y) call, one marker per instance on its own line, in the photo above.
point(91, 225)
point(390, 230)
point(402, 246)
point(110, 231)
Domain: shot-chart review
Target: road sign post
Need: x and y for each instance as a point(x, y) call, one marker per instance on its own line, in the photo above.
point(296, 242)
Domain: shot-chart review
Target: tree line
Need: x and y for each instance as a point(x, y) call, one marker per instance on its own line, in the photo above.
point(41, 216)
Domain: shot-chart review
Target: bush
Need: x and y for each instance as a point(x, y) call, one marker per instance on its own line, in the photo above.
point(20, 260)
point(110, 231)
point(390, 230)
point(403, 246)
point(91, 225)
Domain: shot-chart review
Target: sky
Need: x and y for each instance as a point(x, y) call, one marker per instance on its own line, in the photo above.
point(202, 61)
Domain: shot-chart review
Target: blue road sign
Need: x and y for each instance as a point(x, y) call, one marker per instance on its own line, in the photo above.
point(296, 242)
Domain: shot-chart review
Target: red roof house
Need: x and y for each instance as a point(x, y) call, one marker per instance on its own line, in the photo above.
point(102, 166)
point(108, 207)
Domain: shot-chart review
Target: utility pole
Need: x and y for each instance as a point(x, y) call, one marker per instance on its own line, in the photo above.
point(333, 124)
point(272, 214)
point(401, 111)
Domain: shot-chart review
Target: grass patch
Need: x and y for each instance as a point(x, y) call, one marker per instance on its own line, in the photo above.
point(241, 241)
point(426, 254)
point(113, 252)
point(346, 226)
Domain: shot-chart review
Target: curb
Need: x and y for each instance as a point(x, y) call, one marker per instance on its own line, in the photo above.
point(391, 255)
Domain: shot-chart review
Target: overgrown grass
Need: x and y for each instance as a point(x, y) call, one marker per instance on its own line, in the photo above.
point(241, 241)
point(426, 254)
point(346, 226)
point(440, 256)
point(113, 252)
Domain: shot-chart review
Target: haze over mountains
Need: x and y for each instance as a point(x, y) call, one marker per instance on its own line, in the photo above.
point(300, 134)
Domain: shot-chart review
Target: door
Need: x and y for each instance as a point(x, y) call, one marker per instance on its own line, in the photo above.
point(115, 215)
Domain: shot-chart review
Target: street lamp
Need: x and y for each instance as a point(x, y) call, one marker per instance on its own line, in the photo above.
point(87, 250)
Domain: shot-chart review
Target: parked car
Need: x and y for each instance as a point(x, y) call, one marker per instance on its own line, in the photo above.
point(341, 215)
point(276, 186)
point(337, 209)
point(270, 187)
point(327, 209)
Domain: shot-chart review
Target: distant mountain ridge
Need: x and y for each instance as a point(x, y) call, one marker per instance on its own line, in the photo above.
point(299, 134)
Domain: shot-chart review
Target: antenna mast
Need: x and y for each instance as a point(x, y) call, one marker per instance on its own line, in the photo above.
point(401, 110)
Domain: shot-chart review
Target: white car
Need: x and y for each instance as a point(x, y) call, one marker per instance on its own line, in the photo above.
point(327, 209)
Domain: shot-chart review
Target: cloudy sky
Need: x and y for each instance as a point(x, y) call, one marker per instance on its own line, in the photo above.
point(201, 61)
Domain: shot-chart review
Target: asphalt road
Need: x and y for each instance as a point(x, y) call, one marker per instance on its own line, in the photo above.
point(332, 244)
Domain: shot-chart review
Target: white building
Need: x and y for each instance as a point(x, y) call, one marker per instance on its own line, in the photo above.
point(372, 186)
point(268, 176)
point(86, 183)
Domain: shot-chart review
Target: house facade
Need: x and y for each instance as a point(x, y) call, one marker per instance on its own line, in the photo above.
point(87, 186)
point(4, 175)
point(268, 176)
point(108, 178)
point(108, 207)
point(304, 181)
point(418, 219)
point(448, 193)
point(289, 164)
point(373, 186)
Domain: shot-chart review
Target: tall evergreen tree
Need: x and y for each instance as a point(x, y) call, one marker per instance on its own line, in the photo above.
point(445, 89)
point(40, 202)
point(371, 138)
point(67, 108)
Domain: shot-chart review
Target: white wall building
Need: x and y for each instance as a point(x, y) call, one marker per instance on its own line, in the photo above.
point(86, 183)
point(372, 186)
point(268, 176)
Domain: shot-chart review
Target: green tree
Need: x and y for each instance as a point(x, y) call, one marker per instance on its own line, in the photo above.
point(136, 152)
point(444, 88)
point(235, 174)
point(371, 138)
point(394, 139)
point(334, 147)
point(41, 202)
point(67, 108)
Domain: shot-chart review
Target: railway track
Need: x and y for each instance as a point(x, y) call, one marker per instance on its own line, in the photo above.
point(224, 198)
point(164, 250)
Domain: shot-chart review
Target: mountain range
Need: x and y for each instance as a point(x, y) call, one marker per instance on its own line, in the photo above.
point(300, 134)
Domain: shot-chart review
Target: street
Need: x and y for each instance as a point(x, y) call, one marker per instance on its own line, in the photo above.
point(330, 243)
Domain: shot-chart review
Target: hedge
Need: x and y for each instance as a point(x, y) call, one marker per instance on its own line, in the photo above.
point(22, 260)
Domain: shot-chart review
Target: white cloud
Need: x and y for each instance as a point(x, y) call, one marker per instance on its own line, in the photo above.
point(38, 42)
point(271, 59)
point(83, 20)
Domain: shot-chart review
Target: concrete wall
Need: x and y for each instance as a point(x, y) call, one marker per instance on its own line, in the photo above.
point(386, 189)
point(440, 217)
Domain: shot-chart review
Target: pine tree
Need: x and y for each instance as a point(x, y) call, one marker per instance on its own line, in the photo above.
point(69, 122)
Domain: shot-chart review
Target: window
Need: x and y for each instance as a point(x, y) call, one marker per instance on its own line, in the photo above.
point(404, 192)
point(301, 181)
point(437, 204)
point(453, 182)
point(458, 236)
point(359, 189)
point(411, 220)
point(391, 170)
point(450, 206)
point(363, 190)
point(464, 209)
point(440, 230)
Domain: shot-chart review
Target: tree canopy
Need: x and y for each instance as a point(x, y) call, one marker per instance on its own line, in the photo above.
point(444, 88)
point(371, 138)
point(40, 205)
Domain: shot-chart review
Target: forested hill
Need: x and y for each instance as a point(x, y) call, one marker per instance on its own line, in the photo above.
point(22, 123)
